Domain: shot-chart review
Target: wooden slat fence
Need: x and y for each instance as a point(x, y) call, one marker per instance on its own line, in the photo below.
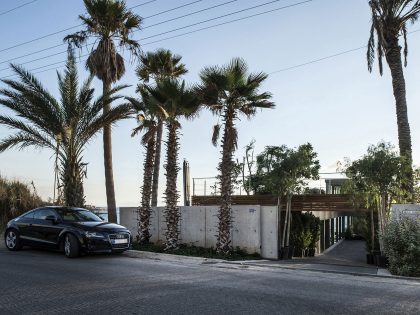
point(299, 202)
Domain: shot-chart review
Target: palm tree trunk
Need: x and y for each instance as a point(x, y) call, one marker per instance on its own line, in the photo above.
point(156, 166)
point(226, 166)
point(56, 176)
point(393, 57)
point(144, 210)
point(171, 212)
point(72, 178)
point(109, 176)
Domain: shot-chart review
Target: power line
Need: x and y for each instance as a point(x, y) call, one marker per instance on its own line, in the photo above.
point(186, 33)
point(329, 57)
point(141, 4)
point(18, 7)
point(318, 60)
point(173, 9)
point(218, 17)
point(180, 28)
point(192, 13)
point(57, 32)
point(270, 73)
point(31, 53)
point(229, 22)
point(55, 46)
point(162, 22)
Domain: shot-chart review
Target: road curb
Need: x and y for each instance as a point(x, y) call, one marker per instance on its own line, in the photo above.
point(383, 275)
point(171, 257)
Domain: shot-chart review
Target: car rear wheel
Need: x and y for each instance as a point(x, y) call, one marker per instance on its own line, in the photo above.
point(12, 240)
point(71, 246)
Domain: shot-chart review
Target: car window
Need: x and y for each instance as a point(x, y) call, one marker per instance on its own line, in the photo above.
point(43, 213)
point(29, 215)
point(79, 215)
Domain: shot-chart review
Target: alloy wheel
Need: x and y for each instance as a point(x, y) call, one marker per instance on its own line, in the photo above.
point(11, 240)
point(67, 245)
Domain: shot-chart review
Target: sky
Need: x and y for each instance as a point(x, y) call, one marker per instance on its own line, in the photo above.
point(335, 104)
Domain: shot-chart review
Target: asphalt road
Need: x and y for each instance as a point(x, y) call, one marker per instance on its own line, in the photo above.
point(39, 282)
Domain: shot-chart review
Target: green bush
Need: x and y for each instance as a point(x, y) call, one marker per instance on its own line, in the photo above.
point(361, 230)
point(304, 233)
point(402, 246)
point(189, 250)
point(15, 198)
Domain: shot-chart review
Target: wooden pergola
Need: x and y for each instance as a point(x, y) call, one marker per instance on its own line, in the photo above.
point(338, 202)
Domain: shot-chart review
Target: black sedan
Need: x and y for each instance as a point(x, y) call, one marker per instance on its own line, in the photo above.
point(72, 230)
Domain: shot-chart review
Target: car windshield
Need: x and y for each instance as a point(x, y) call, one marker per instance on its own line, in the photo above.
point(73, 215)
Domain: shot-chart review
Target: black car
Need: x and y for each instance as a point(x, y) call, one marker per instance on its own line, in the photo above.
point(72, 230)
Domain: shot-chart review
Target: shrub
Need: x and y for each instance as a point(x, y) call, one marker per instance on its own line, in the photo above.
point(305, 232)
point(189, 250)
point(15, 198)
point(402, 246)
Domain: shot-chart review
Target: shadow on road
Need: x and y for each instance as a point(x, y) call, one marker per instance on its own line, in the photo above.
point(54, 254)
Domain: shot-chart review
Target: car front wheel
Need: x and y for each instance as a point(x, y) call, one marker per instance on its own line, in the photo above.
point(12, 240)
point(71, 246)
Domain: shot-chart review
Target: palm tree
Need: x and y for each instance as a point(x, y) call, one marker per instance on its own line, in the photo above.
point(389, 22)
point(64, 126)
point(107, 21)
point(147, 118)
point(178, 101)
point(228, 92)
point(158, 65)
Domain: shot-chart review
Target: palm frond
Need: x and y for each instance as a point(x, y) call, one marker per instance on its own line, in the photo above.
point(22, 140)
point(371, 49)
point(114, 115)
point(389, 19)
point(30, 100)
point(160, 64)
point(112, 24)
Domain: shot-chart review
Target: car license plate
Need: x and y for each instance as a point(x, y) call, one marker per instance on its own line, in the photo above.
point(120, 241)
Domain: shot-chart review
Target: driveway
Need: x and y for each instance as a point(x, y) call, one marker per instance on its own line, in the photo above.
point(345, 257)
point(39, 282)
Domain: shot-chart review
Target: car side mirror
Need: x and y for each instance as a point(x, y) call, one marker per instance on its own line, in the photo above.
point(51, 218)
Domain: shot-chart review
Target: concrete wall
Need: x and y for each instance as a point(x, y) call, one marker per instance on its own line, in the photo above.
point(254, 228)
point(269, 232)
point(399, 211)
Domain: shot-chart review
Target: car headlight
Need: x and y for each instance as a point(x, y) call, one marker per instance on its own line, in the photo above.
point(94, 235)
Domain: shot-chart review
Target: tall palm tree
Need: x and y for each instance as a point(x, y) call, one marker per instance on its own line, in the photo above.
point(158, 65)
point(74, 119)
point(389, 22)
point(178, 101)
point(147, 118)
point(229, 92)
point(108, 22)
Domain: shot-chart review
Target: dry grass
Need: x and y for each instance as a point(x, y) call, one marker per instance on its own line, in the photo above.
point(16, 198)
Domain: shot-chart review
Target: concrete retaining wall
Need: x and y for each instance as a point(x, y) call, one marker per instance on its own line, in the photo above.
point(254, 227)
